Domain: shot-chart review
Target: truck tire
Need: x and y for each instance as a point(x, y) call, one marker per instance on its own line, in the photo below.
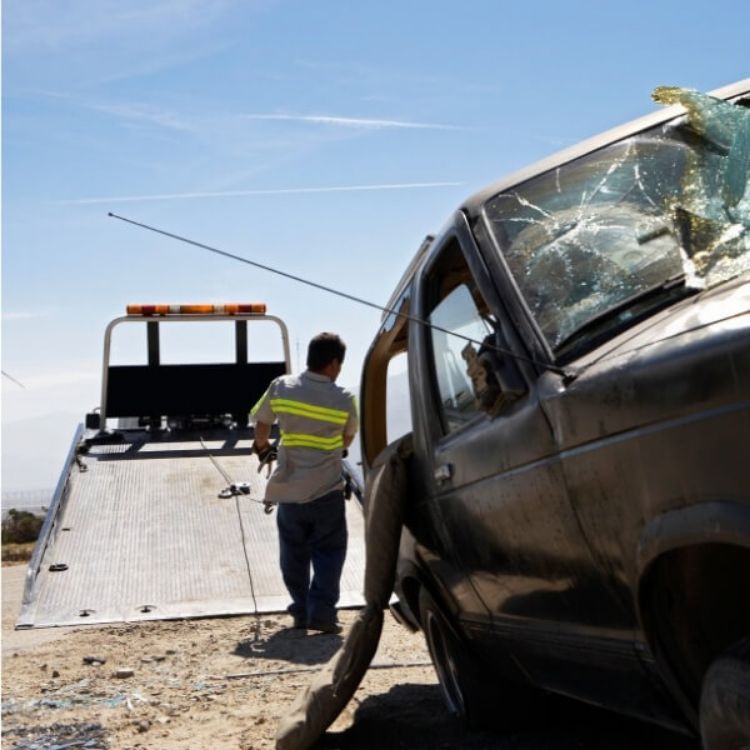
point(725, 701)
point(472, 695)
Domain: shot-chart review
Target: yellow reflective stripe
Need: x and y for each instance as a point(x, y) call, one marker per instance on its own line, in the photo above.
point(310, 407)
point(302, 440)
point(331, 442)
point(314, 446)
point(303, 413)
point(321, 413)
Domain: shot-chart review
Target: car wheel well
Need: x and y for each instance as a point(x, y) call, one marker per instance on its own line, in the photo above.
point(693, 605)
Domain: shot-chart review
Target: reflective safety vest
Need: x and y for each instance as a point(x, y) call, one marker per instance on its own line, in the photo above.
point(314, 414)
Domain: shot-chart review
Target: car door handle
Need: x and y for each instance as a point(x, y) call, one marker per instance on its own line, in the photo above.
point(443, 473)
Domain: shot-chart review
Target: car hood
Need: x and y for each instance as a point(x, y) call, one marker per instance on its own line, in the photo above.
point(687, 359)
point(723, 306)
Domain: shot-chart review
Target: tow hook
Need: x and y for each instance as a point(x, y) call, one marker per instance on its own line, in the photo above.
point(243, 488)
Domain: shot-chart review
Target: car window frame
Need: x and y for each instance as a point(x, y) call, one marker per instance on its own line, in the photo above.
point(481, 274)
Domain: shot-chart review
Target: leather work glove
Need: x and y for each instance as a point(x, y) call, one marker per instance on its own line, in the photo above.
point(266, 456)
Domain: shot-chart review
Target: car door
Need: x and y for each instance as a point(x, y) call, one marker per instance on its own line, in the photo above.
point(497, 483)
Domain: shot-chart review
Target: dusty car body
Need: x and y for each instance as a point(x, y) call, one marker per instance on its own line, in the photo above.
point(578, 345)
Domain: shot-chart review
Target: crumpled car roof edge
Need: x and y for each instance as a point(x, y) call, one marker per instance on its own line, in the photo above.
point(473, 204)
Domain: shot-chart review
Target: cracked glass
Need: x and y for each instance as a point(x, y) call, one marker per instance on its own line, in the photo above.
point(614, 236)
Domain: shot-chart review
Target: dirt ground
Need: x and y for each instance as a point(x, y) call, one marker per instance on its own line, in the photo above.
point(223, 683)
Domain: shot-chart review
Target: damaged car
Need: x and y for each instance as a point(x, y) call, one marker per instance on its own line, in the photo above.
point(576, 342)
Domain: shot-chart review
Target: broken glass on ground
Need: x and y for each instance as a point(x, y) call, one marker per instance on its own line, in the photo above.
point(620, 232)
point(56, 737)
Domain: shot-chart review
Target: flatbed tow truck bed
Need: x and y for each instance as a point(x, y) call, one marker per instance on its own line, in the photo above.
point(136, 529)
point(144, 535)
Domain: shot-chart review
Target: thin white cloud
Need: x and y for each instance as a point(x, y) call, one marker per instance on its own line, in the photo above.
point(174, 121)
point(153, 14)
point(243, 193)
point(150, 115)
point(227, 122)
point(50, 24)
point(353, 122)
point(23, 315)
point(165, 59)
point(84, 44)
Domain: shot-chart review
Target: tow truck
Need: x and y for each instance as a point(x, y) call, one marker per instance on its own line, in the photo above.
point(158, 512)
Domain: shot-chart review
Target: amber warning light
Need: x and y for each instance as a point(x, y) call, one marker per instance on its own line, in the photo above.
point(257, 308)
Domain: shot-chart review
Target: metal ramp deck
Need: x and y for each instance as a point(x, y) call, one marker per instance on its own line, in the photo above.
point(143, 535)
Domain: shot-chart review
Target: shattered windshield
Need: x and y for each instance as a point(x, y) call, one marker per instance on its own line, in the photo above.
point(625, 228)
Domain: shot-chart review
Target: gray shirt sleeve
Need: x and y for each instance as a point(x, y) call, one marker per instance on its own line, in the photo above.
point(262, 411)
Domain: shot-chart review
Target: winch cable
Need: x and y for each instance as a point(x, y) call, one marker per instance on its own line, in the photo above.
point(339, 293)
point(232, 487)
point(216, 464)
point(256, 612)
point(236, 495)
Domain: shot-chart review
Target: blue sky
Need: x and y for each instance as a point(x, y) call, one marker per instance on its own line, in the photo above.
point(325, 138)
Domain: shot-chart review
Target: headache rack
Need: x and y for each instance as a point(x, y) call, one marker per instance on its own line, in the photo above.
point(184, 394)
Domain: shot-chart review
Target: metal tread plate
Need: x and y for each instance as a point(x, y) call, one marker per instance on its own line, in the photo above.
point(144, 536)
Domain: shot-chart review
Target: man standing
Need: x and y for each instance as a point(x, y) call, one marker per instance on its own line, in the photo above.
point(317, 421)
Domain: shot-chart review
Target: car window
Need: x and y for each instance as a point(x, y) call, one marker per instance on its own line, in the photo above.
point(461, 322)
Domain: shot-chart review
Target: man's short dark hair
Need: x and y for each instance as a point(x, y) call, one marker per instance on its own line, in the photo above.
point(323, 349)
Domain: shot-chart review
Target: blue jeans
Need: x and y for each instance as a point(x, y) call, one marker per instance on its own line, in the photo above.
point(314, 534)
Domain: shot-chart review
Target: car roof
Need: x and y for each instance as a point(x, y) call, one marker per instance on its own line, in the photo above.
point(473, 204)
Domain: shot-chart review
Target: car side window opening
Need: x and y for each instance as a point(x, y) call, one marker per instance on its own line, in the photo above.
point(397, 398)
point(459, 309)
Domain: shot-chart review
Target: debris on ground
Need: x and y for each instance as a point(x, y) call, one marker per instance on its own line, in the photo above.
point(58, 736)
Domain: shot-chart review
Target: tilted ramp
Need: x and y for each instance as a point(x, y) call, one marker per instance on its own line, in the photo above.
point(142, 535)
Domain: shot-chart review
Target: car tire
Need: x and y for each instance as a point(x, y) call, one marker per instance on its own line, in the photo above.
point(470, 695)
point(725, 701)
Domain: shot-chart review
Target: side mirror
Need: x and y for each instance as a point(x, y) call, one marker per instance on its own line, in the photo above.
point(495, 378)
point(506, 374)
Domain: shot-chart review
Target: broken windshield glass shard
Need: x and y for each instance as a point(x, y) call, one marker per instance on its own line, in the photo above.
point(712, 215)
point(738, 166)
point(710, 117)
point(728, 126)
point(698, 235)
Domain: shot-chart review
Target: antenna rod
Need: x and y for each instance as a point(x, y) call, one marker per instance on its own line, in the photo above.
point(13, 380)
point(331, 290)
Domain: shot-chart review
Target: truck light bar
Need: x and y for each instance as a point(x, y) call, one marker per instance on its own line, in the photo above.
point(259, 308)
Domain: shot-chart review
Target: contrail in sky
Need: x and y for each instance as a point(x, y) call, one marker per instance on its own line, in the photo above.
point(241, 193)
point(354, 122)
